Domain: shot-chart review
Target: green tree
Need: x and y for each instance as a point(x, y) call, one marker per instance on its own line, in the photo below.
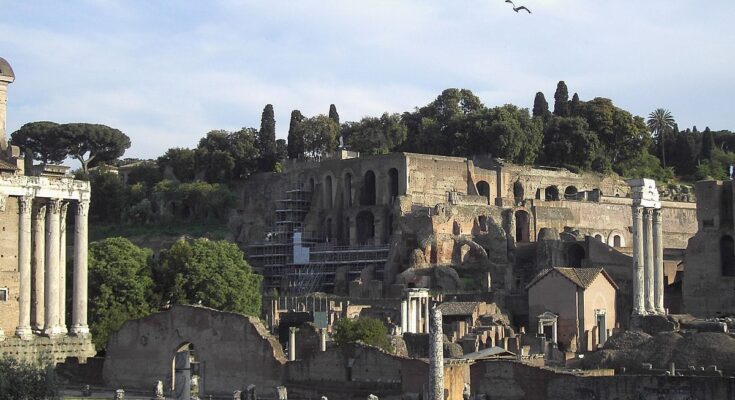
point(319, 134)
point(574, 105)
point(267, 140)
point(120, 286)
point(540, 106)
point(27, 381)
point(375, 135)
point(36, 141)
point(295, 144)
point(333, 115)
point(568, 142)
point(214, 273)
point(507, 132)
point(621, 135)
point(225, 156)
point(660, 122)
point(179, 161)
point(92, 144)
point(561, 100)
point(146, 173)
point(708, 144)
point(368, 330)
point(108, 196)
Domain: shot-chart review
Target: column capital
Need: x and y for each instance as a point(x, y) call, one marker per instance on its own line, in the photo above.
point(53, 206)
point(40, 213)
point(647, 212)
point(25, 204)
point(83, 208)
point(637, 211)
point(656, 215)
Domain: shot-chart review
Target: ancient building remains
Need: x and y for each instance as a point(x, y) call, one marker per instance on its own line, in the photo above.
point(33, 253)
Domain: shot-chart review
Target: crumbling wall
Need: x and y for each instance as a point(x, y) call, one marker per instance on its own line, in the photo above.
point(234, 350)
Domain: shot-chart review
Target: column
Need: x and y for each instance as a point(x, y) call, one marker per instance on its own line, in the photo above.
point(62, 267)
point(638, 304)
point(53, 223)
point(39, 265)
point(323, 339)
point(436, 356)
point(404, 316)
point(79, 312)
point(292, 344)
point(658, 263)
point(411, 316)
point(426, 313)
point(553, 331)
point(25, 208)
point(648, 262)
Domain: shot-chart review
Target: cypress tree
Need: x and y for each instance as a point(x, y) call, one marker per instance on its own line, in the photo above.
point(333, 113)
point(561, 100)
point(708, 144)
point(267, 140)
point(574, 105)
point(540, 105)
point(295, 146)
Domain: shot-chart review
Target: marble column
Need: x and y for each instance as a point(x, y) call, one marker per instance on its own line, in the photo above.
point(436, 356)
point(53, 223)
point(648, 261)
point(39, 266)
point(658, 264)
point(404, 316)
point(62, 267)
point(638, 290)
point(79, 301)
point(411, 315)
point(292, 343)
point(426, 313)
point(25, 208)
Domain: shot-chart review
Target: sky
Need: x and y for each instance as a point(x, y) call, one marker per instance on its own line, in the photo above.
point(167, 72)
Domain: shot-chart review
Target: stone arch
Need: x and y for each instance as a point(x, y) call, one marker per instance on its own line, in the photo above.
point(392, 184)
point(328, 193)
point(599, 237)
point(348, 189)
point(727, 255)
point(518, 192)
point(575, 255)
point(483, 189)
point(552, 193)
point(368, 189)
point(616, 239)
point(365, 227)
point(570, 193)
point(482, 222)
point(523, 226)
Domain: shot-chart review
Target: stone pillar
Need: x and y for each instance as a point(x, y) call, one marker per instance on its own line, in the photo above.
point(292, 344)
point(553, 331)
point(62, 267)
point(25, 208)
point(411, 315)
point(638, 295)
point(323, 339)
point(648, 260)
point(51, 297)
point(426, 313)
point(79, 312)
point(436, 356)
point(658, 264)
point(39, 266)
point(404, 316)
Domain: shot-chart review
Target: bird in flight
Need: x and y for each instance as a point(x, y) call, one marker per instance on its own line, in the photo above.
point(516, 9)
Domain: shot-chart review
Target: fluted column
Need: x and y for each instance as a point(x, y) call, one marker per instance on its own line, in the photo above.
point(436, 356)
point(426, 313)
point(62, 267)
point(411, 315)
point(638, 291)
point(79, 312)
point(25, 208)
point(53, 223)
point(658, 263)
point(404, 316)
point(648, 262)
point(39, 266)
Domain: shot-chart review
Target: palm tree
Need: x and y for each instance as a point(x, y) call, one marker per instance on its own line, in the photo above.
point(659, 122)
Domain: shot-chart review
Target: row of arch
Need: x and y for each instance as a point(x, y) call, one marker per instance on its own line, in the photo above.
point(365, 229)
point(368, 193)
point(615, 239)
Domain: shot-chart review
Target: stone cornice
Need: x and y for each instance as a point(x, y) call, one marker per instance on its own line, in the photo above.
point(38, 186)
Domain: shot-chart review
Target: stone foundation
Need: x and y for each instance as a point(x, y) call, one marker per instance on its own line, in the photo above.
point(44, 348)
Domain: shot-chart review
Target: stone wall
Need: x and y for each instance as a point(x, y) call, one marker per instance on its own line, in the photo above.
point(233, 350)
point(44, 348)
point(506, 380)
point(9, 265)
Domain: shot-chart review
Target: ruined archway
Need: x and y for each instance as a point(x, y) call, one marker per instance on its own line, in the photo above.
point(552, 193)
point(368, 189)
point(518, 193)
point(523, 225)
point(365, 227)
point(483, 189)
point(185, 374)
point(570, 193)
point(575, 255)
point(328, 194)
point(393, 184)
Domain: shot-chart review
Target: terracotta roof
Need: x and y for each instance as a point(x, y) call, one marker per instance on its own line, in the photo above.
point(451, 308)
point(582, 277)
point(6, 166)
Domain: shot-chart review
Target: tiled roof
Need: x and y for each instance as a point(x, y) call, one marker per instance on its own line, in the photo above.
point(6, 166)
point(458, 307)
point(490, 352)
point(582, 277)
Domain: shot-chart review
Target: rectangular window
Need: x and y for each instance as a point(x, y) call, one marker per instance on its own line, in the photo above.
point(4, 295)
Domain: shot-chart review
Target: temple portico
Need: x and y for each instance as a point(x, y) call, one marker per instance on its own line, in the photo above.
point(415, 311)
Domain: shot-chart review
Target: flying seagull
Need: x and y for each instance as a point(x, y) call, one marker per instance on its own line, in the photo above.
point(516, 9)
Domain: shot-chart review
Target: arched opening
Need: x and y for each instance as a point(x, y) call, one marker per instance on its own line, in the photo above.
point(598, 237)
point(727, 255)
point(348, 190)
point(575, 255)
point(185, 379)
point(328, 193)
point(368, 189)
point(483, 189)
point(393, 184)
point(617, 241)
point(552, 193)
point(482, 221)
point(365, 227)
point(570, 193)
point(518, 191)
point(523, 224)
